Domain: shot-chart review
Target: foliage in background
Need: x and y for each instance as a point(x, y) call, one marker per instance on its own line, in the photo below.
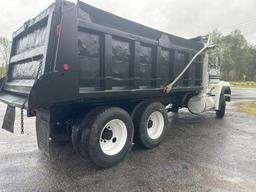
point(5, 46)
point(247, 107)
point(243, 84)
point(238, 57)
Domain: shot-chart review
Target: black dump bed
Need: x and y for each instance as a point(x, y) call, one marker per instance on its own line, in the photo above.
point(74, 53)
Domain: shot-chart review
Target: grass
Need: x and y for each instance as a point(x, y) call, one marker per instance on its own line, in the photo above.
point(247, 107)
point(243, 84)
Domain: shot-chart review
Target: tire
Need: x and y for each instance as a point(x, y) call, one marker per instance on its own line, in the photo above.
point(221, 112)
point(77, 128)
point(61, 135)
point(107, 137)
point(58, 141)
point(76, 139)
point(148, 115)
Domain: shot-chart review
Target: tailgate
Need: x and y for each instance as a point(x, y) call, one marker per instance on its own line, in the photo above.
point(29, 49)
point(32, 46)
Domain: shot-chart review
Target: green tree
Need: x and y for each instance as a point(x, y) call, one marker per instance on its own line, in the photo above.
point(238, 56)
point(252, 64)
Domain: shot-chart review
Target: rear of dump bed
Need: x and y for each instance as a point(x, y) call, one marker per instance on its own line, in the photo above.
point(34, 56)
point(84, 54)
point(31, 51)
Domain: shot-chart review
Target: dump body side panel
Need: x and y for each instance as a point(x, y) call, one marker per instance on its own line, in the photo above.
point(116, 54)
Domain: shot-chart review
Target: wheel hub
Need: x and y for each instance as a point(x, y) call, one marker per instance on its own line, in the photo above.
point(150, 123)
point(107, 134)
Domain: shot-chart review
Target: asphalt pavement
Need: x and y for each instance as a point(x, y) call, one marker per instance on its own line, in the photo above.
point(244, 93)
point(200, 153)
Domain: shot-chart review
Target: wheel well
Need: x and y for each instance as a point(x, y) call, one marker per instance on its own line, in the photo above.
point(226, 91)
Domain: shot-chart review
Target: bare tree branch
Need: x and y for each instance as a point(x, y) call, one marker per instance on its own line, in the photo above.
point(5, 46)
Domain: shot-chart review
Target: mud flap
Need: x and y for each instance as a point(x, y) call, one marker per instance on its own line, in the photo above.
point(43, 131)
point(9, 118)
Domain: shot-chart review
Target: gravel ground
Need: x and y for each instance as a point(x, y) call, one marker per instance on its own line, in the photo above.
point(200, 153)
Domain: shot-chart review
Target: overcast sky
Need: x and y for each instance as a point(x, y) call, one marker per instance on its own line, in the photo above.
point(186, 18)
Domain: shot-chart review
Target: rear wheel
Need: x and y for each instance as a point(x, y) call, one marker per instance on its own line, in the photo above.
point(107, 136)
point(150, 124)
point(221, 112)
point(113, 137)
point(61, 134)
point(81, 123)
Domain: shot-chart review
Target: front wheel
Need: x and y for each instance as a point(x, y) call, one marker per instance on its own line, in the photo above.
point(221, 112)
point(107, 137)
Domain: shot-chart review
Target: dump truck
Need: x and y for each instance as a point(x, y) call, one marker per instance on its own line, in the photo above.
point(105, 83)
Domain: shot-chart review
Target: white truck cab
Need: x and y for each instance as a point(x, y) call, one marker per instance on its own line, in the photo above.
point(215, 92)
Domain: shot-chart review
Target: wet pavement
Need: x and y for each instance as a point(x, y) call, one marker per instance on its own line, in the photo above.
point(200, 153)
point(244, 93)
